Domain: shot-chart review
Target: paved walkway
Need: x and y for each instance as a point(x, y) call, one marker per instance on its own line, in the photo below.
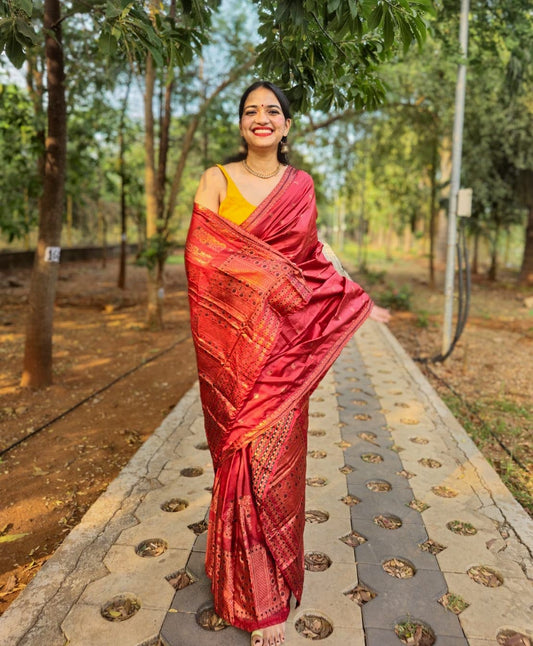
point(404, 516)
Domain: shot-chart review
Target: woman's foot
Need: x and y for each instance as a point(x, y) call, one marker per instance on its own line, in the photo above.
point(257, 638)
point(271, 636)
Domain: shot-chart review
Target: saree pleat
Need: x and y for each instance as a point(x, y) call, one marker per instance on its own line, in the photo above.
point(255, 533)
point(269, 315)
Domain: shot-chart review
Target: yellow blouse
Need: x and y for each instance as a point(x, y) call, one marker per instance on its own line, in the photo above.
point(234, 207)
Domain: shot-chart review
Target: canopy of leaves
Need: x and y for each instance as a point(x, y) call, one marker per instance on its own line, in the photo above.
point(327, 52)
point(131, 28)
point(19, 146)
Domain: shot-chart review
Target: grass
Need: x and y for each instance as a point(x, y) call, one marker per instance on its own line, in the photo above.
point(385, 292)
point(454, 602)
point(491, 429)
point(176, 259)
point(408, 631)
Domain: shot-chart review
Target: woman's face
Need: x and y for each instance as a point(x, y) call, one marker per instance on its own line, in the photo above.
point(263, 123)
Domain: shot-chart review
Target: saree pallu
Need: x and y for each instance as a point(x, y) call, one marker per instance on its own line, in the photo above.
point(269, 315)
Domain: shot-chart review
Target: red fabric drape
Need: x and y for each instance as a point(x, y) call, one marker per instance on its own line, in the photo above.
point(269, 315)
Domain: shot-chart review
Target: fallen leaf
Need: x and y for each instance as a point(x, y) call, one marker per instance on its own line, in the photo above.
point(9, 585)
point(9, 538)
point(6, 529)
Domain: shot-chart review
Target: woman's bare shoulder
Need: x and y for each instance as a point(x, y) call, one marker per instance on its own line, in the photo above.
point(212, 184)
point(213, 176)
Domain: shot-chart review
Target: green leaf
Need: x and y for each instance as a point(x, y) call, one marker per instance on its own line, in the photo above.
point(388, 30)
point(107, 44)
point(27, 32)
point(25, 5)
point(9, 538)
point(14, 50)
point(112, 10)
point(354, 8)
point(375, 18)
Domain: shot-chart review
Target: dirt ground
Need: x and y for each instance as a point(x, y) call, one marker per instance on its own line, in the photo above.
point(114, 382)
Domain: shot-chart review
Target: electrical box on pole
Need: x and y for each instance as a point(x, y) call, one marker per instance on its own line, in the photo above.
point(464, 202)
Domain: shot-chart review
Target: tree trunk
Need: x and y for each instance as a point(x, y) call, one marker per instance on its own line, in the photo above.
point(157, 216)
point(407, 239)
point(121, 283)
point(102, 226)
point(156, 294)
point(69, 220)
point(526, 272)
point(441, 240)
point(389, 237)
point(154, 315)
point(37, 366)
point(525, 191)
point(149, 150)
point(432, 212)
point(492, 274)
point(475, 254)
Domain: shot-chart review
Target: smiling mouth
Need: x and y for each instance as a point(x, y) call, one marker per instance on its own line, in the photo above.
point(262, 132)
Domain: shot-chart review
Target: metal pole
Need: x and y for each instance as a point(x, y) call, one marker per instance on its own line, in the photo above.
point(457, 148)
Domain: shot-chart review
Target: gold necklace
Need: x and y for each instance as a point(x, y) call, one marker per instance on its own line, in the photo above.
point(257, 173)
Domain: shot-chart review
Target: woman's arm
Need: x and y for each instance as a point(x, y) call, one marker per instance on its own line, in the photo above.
point(211, 189)
point(379, 314)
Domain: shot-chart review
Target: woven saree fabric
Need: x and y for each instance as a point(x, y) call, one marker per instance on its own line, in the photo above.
point(269, 315)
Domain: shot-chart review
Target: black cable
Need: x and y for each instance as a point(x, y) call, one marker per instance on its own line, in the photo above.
point(94, 394)
point(464, 288)
point(464, 283)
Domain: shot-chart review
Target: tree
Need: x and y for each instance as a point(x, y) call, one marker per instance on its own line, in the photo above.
point(328, 53)
point(19, 146)
point(37, 369)
point(498, 133)
point(122, 27)
point(497, 136)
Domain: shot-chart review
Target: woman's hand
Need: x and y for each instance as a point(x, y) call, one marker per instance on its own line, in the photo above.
point(380, 314)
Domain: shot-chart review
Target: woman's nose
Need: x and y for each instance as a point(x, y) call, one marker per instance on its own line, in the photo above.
point(261, 115)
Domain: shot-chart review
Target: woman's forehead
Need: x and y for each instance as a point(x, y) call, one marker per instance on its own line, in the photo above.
point(262, 96)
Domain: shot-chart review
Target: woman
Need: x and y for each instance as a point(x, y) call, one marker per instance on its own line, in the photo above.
point(269, 315)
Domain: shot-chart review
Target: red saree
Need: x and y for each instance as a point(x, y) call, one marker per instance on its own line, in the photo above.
point(269, 315)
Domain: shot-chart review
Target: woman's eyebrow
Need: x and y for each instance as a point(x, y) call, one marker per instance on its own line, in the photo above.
point(272, 105)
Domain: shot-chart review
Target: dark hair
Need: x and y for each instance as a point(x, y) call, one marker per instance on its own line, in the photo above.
point(283, 158)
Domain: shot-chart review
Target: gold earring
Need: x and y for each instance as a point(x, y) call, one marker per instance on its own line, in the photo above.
point(284, 146)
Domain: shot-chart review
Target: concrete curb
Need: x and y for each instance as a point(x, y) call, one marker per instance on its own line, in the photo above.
point(512, 511)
